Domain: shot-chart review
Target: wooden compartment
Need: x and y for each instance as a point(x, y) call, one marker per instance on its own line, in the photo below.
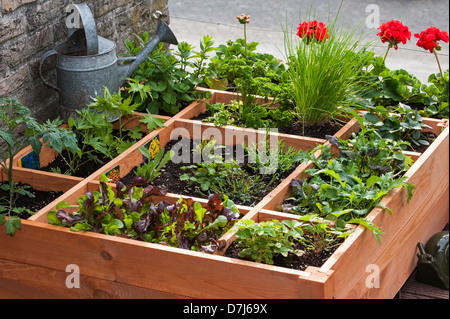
point(226, 135)
point(395, 259)
point(27, 159)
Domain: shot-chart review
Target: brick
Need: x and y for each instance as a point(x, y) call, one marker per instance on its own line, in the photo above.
point(28, 46)
point(11, 28)
point(44, 12)
point(12, 5)
point(14, 81)
point(103, 7)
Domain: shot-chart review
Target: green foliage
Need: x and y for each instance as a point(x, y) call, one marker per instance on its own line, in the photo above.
point(243, 183)
point(131, 213)
point(150, 169)
point(263, 241)
point(13, 117)
point(215, 175)
point(91, 132)
point(324, 74)
point(346, 188)
point(405, 124)
point(166, 81)
point(390, 88)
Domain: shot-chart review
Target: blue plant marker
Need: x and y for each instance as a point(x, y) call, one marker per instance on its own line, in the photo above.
point(31, 161)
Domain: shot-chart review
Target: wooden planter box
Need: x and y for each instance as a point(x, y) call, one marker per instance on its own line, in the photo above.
point(33, 263)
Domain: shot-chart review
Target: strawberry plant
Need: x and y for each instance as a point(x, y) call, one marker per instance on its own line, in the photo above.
point(346, 188)
point(263, 241)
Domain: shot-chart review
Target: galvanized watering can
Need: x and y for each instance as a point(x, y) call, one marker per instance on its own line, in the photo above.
point(433, 265)
point(88, 62)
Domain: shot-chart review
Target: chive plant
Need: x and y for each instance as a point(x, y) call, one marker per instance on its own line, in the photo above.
point(323, 61)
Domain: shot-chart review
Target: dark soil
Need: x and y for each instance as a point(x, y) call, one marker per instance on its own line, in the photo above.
point(171, 172)
point(319, 130)
point(84, 170)
point(422, 148)
point(41, 199)
point(309, 258)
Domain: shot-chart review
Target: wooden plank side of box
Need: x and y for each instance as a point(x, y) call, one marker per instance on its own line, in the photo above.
point(430, 175)
point(156, 267)
point(393, 267)
point(24, 281)
point(43, 181)
point(48, 154)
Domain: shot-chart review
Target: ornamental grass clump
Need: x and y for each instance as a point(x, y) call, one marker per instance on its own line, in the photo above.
point(324, 61)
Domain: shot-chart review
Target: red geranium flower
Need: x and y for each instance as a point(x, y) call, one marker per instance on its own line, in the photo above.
point(428, 39)
point(394, 32)
point(311, 29)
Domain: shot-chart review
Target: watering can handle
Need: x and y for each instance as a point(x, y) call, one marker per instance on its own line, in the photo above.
point(90, 30)
point(43, 58)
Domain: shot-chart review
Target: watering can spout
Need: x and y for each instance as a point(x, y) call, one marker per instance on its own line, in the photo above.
point(163, 34)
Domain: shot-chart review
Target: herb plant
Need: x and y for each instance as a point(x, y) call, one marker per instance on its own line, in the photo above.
point(346, 188)
point(323, 70)
point(131, 213)
point(263, 241)
point(14, 116)
point(166, 82)
point(150, 169)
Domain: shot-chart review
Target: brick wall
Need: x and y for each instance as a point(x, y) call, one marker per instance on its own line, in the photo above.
point(29, 28)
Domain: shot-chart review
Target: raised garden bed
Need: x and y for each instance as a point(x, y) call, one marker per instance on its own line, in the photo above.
point(113, 267)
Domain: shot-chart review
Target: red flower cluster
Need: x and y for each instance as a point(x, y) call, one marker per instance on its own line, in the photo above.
point(311, 29)
point(428, 39)
point(243, 19)
point(394, 32)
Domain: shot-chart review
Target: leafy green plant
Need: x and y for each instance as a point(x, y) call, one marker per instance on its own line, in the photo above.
point(346, 188)
point(95, 135)
point(404, 124)
point(263, 241)
point(214, 174)
point(130, 212)
point(273, 160)
point(13, 117)
point(150, 169)
point(389, 88)
point(324, 73)
point(164, 82)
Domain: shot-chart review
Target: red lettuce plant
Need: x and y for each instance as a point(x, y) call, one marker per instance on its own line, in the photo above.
point(130, 212)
